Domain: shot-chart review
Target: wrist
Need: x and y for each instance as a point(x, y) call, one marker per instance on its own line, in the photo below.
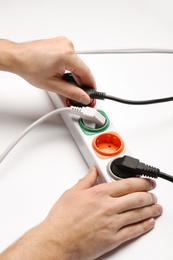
point(8, 55)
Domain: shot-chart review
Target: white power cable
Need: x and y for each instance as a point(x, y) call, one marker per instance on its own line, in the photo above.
point(84, 112)
point(29, 128)
point(127, 51)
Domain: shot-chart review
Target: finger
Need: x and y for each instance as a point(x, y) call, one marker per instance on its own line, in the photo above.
point(134, 201)
point(140, 214)
point(88, 181)
point(80, 71)
point(67, 90)
point(130, 185)
point(77, 79)
point(133, 231)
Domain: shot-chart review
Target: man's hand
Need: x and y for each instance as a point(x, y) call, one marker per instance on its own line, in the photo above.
point(89, 220)
point(43, 62)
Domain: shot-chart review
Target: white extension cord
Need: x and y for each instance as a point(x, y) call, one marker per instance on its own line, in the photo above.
point(87, 113)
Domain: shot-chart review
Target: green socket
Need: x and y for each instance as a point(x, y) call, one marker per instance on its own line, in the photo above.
point(91, 131)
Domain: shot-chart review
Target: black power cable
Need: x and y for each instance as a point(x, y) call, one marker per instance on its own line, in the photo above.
point(126, 167)
point(102, 96)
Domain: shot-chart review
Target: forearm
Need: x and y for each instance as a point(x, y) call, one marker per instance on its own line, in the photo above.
point(38, 243)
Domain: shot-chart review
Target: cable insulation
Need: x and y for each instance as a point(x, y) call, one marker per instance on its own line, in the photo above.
point(103, 95)
point(29, 128)
point(127, 51)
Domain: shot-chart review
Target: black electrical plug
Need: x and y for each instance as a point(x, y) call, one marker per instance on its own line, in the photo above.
point(69, 78)
point(126, 167)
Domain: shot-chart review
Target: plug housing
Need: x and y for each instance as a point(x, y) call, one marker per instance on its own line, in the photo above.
point(70, 102)
point(89, 113)
point(127, 166)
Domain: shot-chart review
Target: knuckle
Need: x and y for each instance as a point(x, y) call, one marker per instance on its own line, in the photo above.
point(65, 45)
point(129, 186)
point(141, 199)
point(65, 40)
point(146, 198)
point(138, 184)
point(139, 214)
point(100, 191)
point(109, 210)
point(69, 48)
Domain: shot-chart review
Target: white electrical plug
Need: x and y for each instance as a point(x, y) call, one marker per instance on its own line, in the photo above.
point(90, 114)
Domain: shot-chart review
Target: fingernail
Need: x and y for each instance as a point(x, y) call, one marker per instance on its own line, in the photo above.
point(160, 209)
point(151, 221)
point(152, 183)
point(154, 198)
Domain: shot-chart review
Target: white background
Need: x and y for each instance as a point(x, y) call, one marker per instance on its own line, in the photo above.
point(35, 173)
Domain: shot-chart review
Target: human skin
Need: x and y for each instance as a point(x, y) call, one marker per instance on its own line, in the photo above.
point(43, 62)
point(88, 220)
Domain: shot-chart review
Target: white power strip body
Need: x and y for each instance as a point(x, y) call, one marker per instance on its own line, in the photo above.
point(84, 142)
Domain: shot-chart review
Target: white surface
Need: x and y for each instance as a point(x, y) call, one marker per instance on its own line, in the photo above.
point(90, 24)
point(33, 176)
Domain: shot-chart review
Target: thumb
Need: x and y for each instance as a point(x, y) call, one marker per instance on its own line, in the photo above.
point(88, 181)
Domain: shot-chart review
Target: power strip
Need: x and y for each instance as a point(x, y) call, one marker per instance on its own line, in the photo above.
point(99, 146)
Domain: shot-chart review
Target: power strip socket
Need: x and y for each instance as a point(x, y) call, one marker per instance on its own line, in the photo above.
point(99, 146)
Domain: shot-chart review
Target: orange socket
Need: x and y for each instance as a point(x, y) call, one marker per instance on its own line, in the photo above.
point(107, 145)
